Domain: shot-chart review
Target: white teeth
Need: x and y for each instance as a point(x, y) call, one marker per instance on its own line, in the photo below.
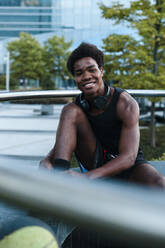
point(88, 85)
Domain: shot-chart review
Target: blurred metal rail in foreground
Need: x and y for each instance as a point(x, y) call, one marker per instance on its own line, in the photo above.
point(131, 214)
point(6, 96)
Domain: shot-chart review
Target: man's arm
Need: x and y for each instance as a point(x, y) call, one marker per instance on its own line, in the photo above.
point(128, 113)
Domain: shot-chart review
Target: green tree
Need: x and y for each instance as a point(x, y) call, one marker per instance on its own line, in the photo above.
point(119, 59)
point(56, 52)
point(13, 82)
point(26, 55)
point(137, 63)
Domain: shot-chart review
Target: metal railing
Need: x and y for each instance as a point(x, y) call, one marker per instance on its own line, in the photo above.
point(37, 94)
point(133, 214)
point(69, 93)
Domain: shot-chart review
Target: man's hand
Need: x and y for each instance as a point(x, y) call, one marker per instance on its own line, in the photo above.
point(75, 173)
point(45, 164)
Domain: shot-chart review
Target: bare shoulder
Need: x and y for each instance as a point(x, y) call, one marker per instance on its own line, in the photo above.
point(127, 108)
point(70, 109)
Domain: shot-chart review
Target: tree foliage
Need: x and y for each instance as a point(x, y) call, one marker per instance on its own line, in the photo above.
point(26, 56)
point(137, 63)
point(32, 61)
point(119, 58)
point(56, 52)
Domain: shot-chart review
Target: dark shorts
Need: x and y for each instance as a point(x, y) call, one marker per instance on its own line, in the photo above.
point(102, 156)
point(139, 160)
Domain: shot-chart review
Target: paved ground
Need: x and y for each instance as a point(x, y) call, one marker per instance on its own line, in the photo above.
point(25, 132)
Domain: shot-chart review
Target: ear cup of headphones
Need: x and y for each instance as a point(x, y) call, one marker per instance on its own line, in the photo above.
point(84, 104)
point(101, 101)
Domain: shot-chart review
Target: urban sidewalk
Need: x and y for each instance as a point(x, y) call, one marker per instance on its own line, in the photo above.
point(26, 134)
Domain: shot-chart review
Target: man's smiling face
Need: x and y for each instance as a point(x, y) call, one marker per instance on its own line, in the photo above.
point(88, 76)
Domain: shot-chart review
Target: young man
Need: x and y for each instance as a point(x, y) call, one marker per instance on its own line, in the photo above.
point(101, 127)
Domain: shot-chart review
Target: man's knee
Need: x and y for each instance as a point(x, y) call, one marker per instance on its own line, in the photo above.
point(71, 112)
point(147, 174)
point(160, 181)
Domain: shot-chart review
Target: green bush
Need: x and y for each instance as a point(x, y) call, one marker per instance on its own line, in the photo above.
point(13, 82)
point(151, 153)
point(162, 157)
point(46, 83)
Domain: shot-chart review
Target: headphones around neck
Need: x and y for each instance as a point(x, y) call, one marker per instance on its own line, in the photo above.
point(99, 101)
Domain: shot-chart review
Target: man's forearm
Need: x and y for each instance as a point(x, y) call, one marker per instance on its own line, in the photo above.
point(111, 168)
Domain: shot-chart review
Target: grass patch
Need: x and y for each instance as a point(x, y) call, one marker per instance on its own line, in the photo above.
point(151, 153)
point(74, 162)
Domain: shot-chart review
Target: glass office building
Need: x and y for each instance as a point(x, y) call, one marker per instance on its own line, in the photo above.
point(77, 20)
point(32, 16)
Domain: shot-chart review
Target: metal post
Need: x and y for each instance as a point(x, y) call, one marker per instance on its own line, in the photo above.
point(8, 71)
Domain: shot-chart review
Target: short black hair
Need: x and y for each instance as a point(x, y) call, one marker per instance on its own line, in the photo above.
point(85, 50)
